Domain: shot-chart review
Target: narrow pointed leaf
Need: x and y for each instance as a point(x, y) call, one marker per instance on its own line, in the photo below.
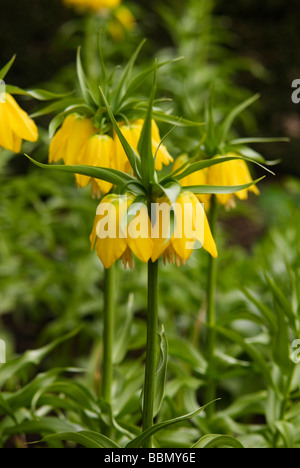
point(251, 350)
point(87, 439)
point(124, 81)
point(113, 176)
point(145, 142)
point(200, 165)
point(86, 91)
point(160, 376)
point(6, 409)
point(226, 125)
point(61, 105)
point(217, 441)
point(141, 439)
point(139, 80)
point(132, 156)
point(31, 357)
point(215, 189)
point(248, 141)
point(160, 116)
point(6, 68)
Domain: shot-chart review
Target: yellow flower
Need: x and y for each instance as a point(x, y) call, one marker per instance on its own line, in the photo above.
point(132, 134)
point(96, 152)
point(122, 22)
point(114, 239)
point(70, 139)
point(234, 172)
point(15, 125)
point(92, 5)
point(197, 178)
point(191, 227)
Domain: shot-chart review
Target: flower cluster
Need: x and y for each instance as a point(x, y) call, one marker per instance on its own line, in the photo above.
point(121, 229)
point(78, 141)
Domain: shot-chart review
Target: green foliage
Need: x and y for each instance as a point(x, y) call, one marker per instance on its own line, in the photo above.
point(51, 285)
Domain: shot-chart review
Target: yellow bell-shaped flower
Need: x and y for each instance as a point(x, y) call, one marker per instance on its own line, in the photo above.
point(116, 239)
point(233, 172)
point(96, 152)
point(132, 133)
point(190, 230)
point(15, 125)
point(70, 139)
point(197, 178)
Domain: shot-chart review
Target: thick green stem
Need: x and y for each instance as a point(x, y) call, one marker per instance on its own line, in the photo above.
point(151, 350)
point(211, 311)
point(108, 333)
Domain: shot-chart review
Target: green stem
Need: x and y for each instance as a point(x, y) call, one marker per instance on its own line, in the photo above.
point(211, 310)
point(151, 350)
point(108, 333)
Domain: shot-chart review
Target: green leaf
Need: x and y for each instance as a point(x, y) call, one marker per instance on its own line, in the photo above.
point(120, 90)
point(55, 123)
point(27, 395)
point(251, 350)
point(42, 426)
point(113, 176)
point(160, 375)
point(83, 82)
point(227, 124)
point(183, 350)
point(281, 299)
point(249, 141)
point(171, 189)
point(62, 105)
point(123, 337)
point(87, 439)
point(200, 165)
point(34, 357)
point(267, 313)
point(145, 142)
point(215, 189)
point(142, 438)
point(5, 407)
point(73, 391)
point(287, 432)
point(39, 94)
point(281, 342)
point(139, 80)
point(160, 116)
point(217, 441)
point(132, 156)
point(6, 68)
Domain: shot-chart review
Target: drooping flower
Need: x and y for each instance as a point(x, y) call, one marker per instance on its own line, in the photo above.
point(15, 125)
point(132, 133)
point(70, 139)
point(233, 172)
point(96, 152)
point(123, 21)
point(116, 239)
point(190, 230)
point(92, 5)
point(196, 178)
